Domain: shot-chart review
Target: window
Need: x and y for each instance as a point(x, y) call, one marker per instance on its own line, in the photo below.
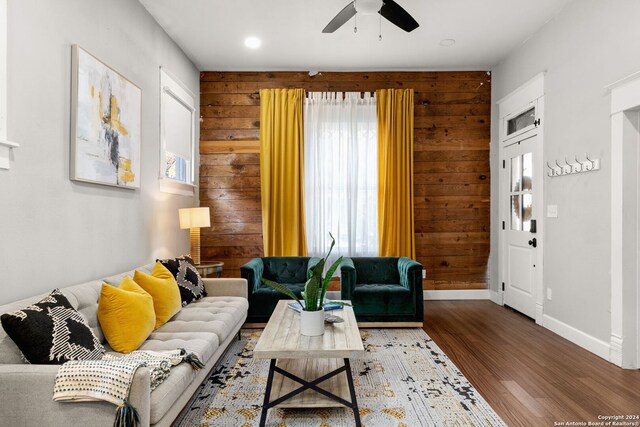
point(177, 134)
point(521, 121)
point(341, 173)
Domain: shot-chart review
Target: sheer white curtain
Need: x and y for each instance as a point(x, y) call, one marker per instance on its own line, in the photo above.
point(341, 173)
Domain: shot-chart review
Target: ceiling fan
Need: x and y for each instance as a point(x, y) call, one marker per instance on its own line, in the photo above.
point(388, 9)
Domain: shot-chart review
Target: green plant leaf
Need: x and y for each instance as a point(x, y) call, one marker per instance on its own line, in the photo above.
point(340, 303)
point(311, 292)
point(327, 278)
point(318, 269)
point(280, 288)
point(333, 242)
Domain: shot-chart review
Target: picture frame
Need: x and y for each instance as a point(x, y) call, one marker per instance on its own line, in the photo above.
point(105, 124)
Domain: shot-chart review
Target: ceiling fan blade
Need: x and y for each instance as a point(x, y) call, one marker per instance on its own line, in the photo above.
point(395, 14)
point(341, 18)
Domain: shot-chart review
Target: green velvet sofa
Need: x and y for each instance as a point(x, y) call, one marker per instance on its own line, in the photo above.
point(292, 271)
point(384, 291)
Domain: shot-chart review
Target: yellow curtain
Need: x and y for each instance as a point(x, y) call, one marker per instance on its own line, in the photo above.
point(396, 235)
point(281, 172)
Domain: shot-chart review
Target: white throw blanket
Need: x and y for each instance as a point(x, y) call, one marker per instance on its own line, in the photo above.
point(110, 378)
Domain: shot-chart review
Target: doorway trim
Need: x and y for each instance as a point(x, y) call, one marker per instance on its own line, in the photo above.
point(530, 93)
point(625, 228)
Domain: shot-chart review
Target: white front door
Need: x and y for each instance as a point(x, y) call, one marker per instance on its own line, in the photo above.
point(520, 225)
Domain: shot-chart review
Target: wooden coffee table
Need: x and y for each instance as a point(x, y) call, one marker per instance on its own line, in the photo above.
point(303, 363)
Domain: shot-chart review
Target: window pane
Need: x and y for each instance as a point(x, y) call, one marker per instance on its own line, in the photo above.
point(516, 173)
point(177, 167)
point(516, 222)
point(527, 171)
point(177, 128)
point(521, 121)
point(341, 187)
point(527, 201)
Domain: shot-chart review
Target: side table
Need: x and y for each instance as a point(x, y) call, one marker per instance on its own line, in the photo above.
point(209, 268)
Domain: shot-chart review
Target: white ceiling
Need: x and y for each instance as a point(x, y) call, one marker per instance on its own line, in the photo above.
point(212, 33)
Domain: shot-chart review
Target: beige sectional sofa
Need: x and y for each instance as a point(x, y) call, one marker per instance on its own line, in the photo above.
point(205, 327)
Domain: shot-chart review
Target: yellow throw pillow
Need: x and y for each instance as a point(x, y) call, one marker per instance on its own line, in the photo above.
point(126, 315)
point(163, 288)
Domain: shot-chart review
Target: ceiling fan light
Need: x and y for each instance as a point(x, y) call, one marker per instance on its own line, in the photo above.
point(368, 7)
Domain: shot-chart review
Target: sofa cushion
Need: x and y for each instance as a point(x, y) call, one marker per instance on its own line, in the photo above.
point(377, 269)
point(264, 301)
point(52, 331)
point(187, 276)
point(162, 287)
point(126, 315)
point(165, 396)
point(203, 344)
point(381, 299)
point(211, 314)
point(286, 269)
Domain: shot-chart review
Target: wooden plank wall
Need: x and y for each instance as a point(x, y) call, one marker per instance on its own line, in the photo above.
point(452, 126)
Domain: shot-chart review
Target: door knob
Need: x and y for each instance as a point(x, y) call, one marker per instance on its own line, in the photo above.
point(533, 242)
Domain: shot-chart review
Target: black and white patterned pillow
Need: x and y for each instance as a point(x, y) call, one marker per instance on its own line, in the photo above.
point(187, 276)
point(52, 332)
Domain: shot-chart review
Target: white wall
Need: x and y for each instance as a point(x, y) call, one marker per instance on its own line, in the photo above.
point(53, 231)
point(589, 45)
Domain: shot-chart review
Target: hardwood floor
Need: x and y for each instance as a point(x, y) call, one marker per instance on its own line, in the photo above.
point(529, 375)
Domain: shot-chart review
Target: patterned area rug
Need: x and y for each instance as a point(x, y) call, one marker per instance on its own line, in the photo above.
point(404, 380)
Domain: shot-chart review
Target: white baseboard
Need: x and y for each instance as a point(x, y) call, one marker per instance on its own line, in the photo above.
point(576, 336)
point(458, 294)
point(616, 350)
point(496, 297)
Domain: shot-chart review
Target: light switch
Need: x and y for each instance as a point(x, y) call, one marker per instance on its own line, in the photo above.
point(552, 211)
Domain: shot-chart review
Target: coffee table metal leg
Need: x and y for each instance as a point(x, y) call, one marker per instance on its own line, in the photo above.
point(352, 391)
point(267, 394)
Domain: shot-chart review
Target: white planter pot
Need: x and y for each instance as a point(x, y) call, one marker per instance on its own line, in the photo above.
point(312, 323)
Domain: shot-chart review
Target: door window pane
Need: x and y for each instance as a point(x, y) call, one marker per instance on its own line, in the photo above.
point(516, 173)
point(516, 221)
point(527, 171)
point(521, 121)
point(527, 201)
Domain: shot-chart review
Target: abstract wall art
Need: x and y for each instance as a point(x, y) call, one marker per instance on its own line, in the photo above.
point(105, 124)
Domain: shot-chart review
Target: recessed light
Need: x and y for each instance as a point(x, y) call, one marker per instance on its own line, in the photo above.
point(447, 42)
point(252, 42)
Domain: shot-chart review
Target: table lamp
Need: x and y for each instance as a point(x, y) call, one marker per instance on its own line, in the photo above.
point(194, 219)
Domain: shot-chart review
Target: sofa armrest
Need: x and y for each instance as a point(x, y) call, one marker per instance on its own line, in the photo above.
point(407, 268)
point(226, 287)
point(348, 278)
point(411, 278)
point(252, 272)
point(27, 392)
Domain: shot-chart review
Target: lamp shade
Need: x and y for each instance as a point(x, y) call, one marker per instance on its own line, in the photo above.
point(194, 217)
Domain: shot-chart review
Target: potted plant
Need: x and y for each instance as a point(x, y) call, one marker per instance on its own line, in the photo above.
point(312, 314)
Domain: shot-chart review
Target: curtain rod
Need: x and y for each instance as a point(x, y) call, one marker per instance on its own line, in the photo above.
point(372, 93)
